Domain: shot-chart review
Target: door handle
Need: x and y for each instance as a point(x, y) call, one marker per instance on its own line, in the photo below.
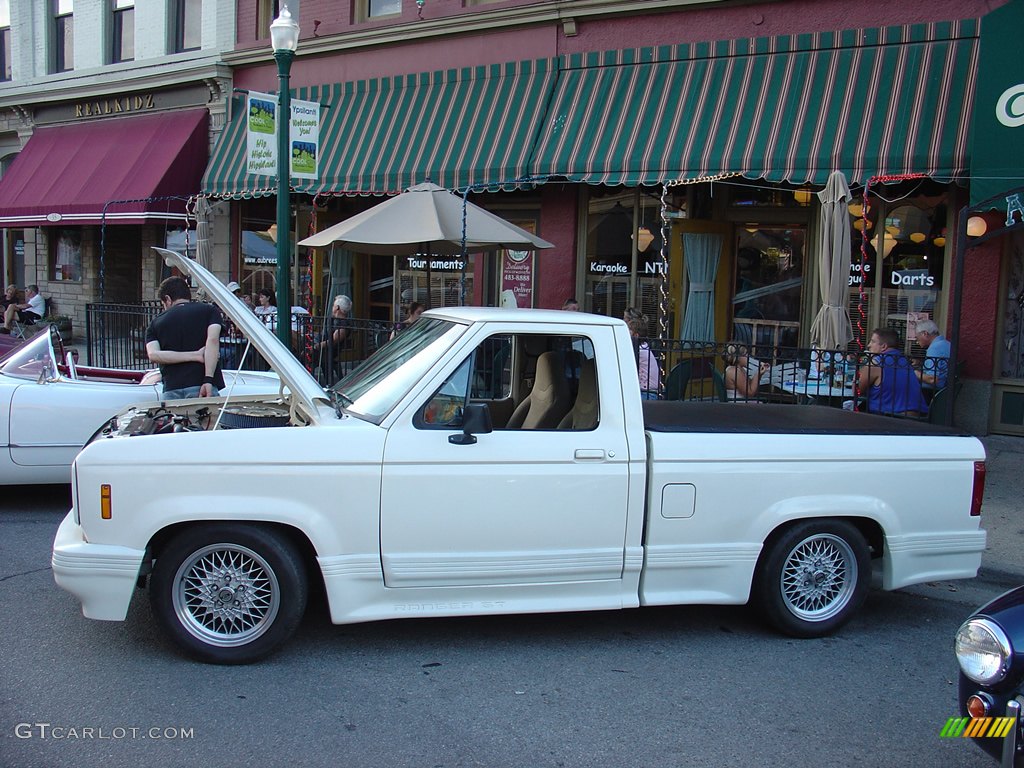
point(589, 454)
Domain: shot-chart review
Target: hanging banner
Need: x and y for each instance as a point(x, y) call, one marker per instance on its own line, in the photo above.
point(261, 128)
point(305, 139)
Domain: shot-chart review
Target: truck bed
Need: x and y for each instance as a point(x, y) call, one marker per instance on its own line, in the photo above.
point(740, 418)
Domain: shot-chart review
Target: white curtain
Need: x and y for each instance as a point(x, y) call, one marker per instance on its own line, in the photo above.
point(701, 252)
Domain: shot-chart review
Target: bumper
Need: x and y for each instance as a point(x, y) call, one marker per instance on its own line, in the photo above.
point(915, 559)
point(1009, 749)
point(102, 577)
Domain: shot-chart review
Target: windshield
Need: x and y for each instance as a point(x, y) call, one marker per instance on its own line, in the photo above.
point(30, 359)
point(376, 386)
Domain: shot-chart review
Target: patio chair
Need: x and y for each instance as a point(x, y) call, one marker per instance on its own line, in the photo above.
point(678, 380)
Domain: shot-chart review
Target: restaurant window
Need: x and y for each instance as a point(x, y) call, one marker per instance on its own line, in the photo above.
point(433, 281)
point(5, 40)
point(896, 279)
point(623, 253)
point(768, 290)
point(122, 30)
point(63, 35)
point(266, 12)
point(259, 256)
point(376, 9)
point(188, 25)
point(65, 262)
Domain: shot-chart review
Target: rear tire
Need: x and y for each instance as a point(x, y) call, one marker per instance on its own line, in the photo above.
point(229, 594)
point(813, 577)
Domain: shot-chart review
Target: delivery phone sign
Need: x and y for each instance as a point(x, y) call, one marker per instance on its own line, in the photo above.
point(517, 275)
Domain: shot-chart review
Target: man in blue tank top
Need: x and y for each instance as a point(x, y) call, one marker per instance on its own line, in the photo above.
point(888, 380)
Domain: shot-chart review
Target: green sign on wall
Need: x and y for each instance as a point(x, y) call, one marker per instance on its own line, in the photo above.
point(997, 148)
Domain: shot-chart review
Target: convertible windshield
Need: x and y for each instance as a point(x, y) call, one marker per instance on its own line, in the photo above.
point(375, 387)
point(30, 359)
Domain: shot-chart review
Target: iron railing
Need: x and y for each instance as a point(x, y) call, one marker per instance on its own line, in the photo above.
point(688, 370)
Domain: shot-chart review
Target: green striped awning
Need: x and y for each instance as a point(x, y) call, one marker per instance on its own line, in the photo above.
point(869, 102)
point(456, 128)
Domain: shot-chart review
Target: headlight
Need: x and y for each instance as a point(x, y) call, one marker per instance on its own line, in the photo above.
point(983, 651)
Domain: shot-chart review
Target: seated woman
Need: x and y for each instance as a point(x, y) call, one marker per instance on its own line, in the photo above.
point(742, 373)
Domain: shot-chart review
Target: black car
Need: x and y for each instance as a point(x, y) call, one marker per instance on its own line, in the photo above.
point(990, 652)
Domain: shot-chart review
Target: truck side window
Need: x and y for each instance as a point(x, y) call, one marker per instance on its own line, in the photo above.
point(533, 382)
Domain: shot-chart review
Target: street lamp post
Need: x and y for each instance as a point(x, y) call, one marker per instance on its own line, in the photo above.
point(284, 37)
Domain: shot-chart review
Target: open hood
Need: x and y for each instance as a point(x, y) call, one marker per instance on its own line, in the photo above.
point(296, 378)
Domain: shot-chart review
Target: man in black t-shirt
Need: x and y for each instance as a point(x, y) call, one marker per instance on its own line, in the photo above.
point(184, 341)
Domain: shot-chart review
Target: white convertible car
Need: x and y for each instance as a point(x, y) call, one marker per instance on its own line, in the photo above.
point(50, 407)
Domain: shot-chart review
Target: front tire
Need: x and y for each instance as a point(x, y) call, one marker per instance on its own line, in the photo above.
point(229, 594)
point(813, 577)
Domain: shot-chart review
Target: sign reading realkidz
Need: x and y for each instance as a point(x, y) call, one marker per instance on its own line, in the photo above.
point(261, 128)
point(304, 139)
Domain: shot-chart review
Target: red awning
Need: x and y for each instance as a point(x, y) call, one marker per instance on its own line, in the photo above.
point(66, 174)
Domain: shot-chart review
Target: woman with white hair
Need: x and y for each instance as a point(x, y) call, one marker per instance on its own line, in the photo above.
point(337, 329)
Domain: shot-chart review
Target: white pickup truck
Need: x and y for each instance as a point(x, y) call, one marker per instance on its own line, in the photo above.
point(492, 461)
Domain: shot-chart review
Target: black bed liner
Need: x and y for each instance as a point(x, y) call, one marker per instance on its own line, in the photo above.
point(697, 416)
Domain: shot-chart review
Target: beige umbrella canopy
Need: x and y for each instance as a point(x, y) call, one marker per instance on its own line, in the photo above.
point(425, 219)
point(831, 327)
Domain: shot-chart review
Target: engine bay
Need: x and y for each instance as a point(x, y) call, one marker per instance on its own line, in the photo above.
point(167, 418)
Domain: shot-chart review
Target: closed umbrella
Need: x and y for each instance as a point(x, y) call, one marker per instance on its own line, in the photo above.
point(831, 328)
point(204, 244)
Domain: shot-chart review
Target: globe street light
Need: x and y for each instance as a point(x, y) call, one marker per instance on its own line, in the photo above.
point(284, 38)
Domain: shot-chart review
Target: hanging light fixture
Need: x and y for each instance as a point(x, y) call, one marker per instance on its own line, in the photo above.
point(917, 237)
point(803, 196)
point(976, 226)
point(856, 208)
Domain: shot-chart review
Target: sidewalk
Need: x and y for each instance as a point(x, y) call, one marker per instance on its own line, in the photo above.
point(1002, 512)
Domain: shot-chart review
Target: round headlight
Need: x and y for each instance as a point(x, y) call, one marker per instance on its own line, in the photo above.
point(983, 651)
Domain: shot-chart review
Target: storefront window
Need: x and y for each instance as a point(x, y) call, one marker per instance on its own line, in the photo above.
point(66, 255)
point(897, 279)
point(619, 272)
point(259, 256)
point(434, 281)
point(754, 195)
point(769, 285)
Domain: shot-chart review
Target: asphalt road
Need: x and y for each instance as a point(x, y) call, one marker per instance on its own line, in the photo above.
point(690, 686)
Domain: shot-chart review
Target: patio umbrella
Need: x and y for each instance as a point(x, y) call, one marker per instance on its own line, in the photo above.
point(831, 327)
point(425, 219)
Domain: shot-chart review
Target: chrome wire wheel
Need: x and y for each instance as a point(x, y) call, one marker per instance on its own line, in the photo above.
point(819, 577)
point(226, 595)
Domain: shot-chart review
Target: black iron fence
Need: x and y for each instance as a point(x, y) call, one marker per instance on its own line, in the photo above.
point(728, 372)
point(912, 387)
point(116, 338)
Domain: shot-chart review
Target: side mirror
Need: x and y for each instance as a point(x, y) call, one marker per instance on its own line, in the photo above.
point(476, 420)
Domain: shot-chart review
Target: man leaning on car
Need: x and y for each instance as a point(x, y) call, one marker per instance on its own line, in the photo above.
point(184, 340)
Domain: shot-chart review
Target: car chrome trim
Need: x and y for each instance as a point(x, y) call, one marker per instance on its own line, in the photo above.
point(1011, 740)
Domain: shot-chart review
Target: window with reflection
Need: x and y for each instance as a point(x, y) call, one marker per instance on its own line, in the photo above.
point(898, 262)
point(63, 35)
point(266, 12)
point(122, 30)
point(373, 9)
point(768, 290)
point(188, 25)
point(5, 40)
point(65, 262)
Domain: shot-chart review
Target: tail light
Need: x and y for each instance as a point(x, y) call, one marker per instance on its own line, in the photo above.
point(979, 488)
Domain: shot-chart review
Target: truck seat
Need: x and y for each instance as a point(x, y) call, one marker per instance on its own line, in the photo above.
point(548, 401)
point(585, 410)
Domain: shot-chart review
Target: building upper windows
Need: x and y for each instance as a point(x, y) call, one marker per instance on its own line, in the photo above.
point(122, 30)
point(5, 40)
point(188, 25)
point(377, 9)
point(63, 35)
point(266, 12)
